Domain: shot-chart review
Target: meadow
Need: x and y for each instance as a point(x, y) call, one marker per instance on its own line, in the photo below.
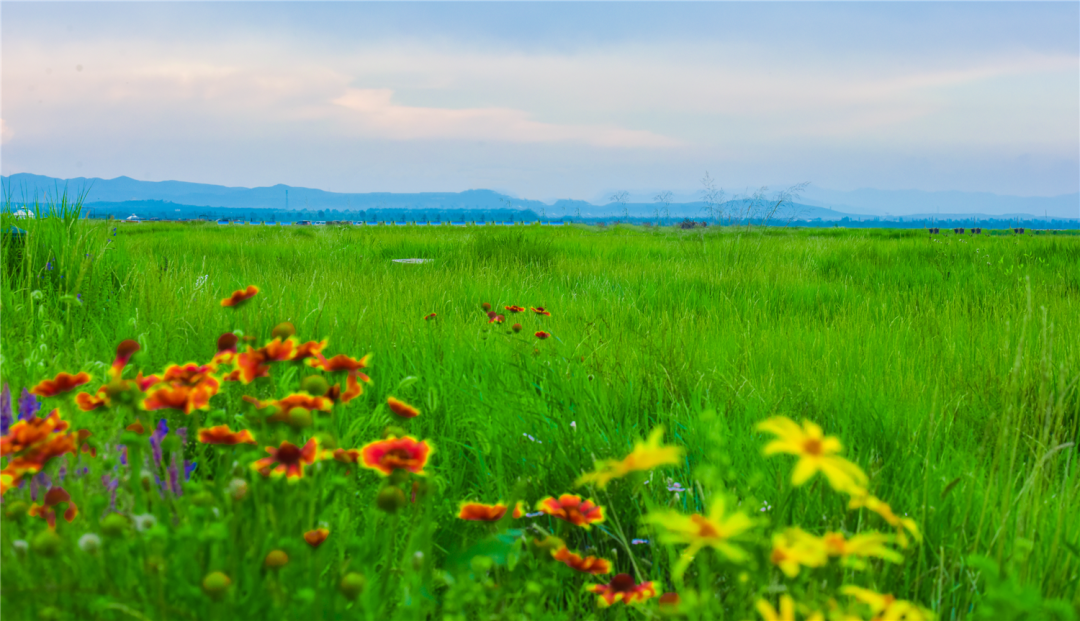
point(946, 366)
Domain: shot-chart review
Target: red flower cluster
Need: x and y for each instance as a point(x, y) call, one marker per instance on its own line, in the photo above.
point(33, 443)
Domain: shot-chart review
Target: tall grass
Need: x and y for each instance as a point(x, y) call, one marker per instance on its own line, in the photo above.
point(949, 366)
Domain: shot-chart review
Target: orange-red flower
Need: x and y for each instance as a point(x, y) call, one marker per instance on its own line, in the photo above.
point(226, 348)
point(573, 509)
point(346, 456)
point(515, 309)
point(311, 349)
point(542, 335)
point(53, 497)
point(341, 362)
point(124, 351)
point(541, 311)
point(589, 565)
point(316, 537)
point(183, 398)
point(494, 318)
point(145, 382)
point(221, 434)
point(136, 427)
point(63, 382)
point(393, 453)
point(87, 401)
point(622, 587)
point(191, 374)
point(287, 459)
point(429, 317)
point(478, 512)
point(251, 364)
point(401, 408)
point(240, 296)
point(26, 433)
point(279, 350)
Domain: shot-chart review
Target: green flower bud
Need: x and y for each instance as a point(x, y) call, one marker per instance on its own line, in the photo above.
point(300, 418)
point(215, 584)
point(390, 499)
point(283, 330)
point(352, 584)
point(16, 510)
point(393, 430)
point(315, 385)
point(276, 559)
point(114, 525)
point(46, 543)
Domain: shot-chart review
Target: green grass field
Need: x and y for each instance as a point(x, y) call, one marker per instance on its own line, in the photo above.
point(947, 367)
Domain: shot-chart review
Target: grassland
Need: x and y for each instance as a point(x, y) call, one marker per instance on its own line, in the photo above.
point(947, 366)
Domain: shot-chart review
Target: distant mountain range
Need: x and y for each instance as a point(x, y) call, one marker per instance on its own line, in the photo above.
point(189, 199)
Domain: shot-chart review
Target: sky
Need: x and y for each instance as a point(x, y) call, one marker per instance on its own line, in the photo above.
point(546, 101)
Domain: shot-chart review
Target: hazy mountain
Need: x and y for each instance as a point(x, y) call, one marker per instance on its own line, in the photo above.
point(813, 203)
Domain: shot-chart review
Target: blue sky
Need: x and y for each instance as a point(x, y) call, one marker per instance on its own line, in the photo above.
point(544, 101)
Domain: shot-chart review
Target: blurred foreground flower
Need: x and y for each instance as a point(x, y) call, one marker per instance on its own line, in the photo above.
point(717, 530)
point(589, 565)
point(63, 382)
point(645, 456)
point(572, 509)
point(287, 459)
point(622, 588)
point(815, 451)
point(479, 512)
point(240, 297)
point(386, 456)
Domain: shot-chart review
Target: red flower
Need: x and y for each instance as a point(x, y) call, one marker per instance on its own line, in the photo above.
point(251, 364)
point(622, 587)
point(180, 397)
point(279, 350)
point(478, 512)
point(240, 296)
point(515, 309)
point(64, 382)
point(311, 349)
point(26, 433)
point(291, 402)
point(401, 408)
point(486, 306)
point(223, 435)
point(496, 318)
point(429, 317)
point(53, 497)
point(571, 508)
point(87, 401)
point(145, 382)
point(541, 311)
point(226, 348)
point(589, 565)
point(353, 389)
point(314, 538)
point(124, 351)
point(542, 335)
point(136, 427)
point(289, 459)
point(393, 453)
point(341, 362)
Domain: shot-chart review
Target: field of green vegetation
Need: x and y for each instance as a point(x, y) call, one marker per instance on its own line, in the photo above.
point(947, 368)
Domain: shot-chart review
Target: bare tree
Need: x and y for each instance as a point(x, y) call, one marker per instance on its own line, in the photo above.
point(664, 200)
point(620, 198)
point(713, 197)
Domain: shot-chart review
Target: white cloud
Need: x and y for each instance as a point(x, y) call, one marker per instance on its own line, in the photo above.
point(377, 114)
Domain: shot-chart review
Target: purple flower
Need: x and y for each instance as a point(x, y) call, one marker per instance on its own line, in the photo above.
point(48, 265)
point(123, 455)
point(638, 542)
point(189, 467)
point(6, 416)
point(62, 472)
point(39, 480)
point(81, 472)
point(28, 405)
point(157, 437)
point(79, 296)
point(182, 432)
point(676, 487)
point(112, 485)
point(174, 477)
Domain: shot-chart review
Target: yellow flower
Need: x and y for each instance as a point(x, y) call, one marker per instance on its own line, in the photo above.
point(815, 451)
point(786, 612)
point(863, 545)
point(645, 456)
point(883, 509)
point(796, 548)
point(887, 607)
point(698, 531)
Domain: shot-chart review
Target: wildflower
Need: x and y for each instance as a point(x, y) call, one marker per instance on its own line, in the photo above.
point(216, 583)
point(295, 401)
point(622, 587)
point(571, 508)
point(541, 311)
point(226, 349)
point(180, 397)
point(675, 487)
point(278, 350)
point(64, 382)
point(477, 512)
point(345, 456)
point(289, 459)
point(144, 522)
point(88, 402)
point(542, 335)
point(390, 499)
point(310, 349)
point(429, 317)
point(495, 318)
point(124, 351)
point(283, 330)
point(90, 543)
point(786, 612)
point(316, 537)
point(352, 585)
point(883, 509)
point(402, 409)
point(136, 427)
point(887, 606)
point(28, 405)
point(353, 389)
point(795, 548)
point(7, 416)
point(237, 489)
point(668, 603)
point(341, 362)
point(815, 451)
point(486, 306)
point(516, 327)
point(639, 542)
point(394, 453)
point(645, 456)
point(249, 366)
point(515, 309)
point(20, 546)
point(53, 497)
point(27, 433)
point(715, 530)
point(240, 296)
point(871, 544)
point(221, 434)
point(589, 565)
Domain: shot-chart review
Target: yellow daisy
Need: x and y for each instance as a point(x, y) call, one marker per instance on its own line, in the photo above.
point(816, 452)
point(645, 456)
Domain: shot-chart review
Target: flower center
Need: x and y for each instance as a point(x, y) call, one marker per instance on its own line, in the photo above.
point(622, 583)
point(813, 446)
point(705, 528)
point(288, 454)
point(397, 457)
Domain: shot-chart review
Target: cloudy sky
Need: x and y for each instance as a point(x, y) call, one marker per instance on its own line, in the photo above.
point(544, 101)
